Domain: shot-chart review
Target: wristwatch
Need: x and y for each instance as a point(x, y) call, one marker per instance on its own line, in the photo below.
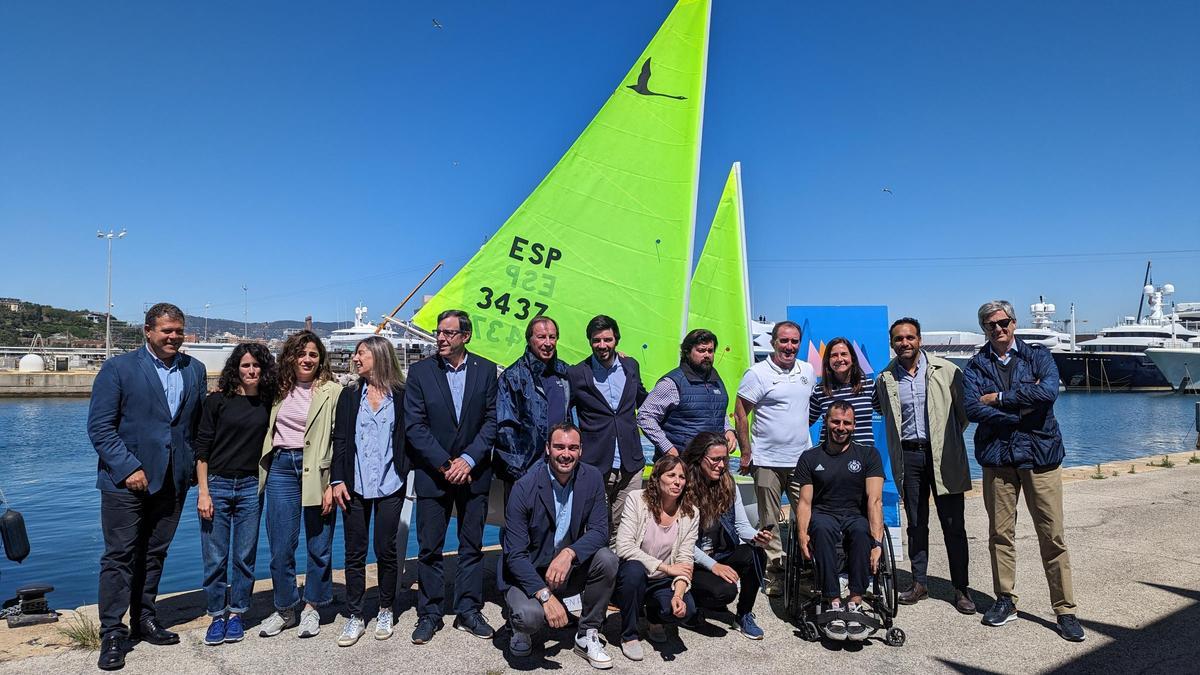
point(543, 596)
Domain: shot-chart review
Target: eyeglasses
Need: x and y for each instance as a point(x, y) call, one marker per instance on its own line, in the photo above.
point(718, 460)
point(1002, 323)
point(441, 332)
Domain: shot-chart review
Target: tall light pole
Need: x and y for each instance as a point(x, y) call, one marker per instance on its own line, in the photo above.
point(206, 306)
point(108, 305)
point(245, 313)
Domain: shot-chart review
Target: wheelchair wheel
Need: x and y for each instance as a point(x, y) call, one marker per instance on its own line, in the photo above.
point(894, 638)
point(809, 632)
point(885, 577)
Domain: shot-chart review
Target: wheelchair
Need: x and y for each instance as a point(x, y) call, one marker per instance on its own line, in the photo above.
point(802, 593)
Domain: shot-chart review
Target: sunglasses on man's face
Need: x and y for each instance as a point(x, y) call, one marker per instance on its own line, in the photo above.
point(1003, 323)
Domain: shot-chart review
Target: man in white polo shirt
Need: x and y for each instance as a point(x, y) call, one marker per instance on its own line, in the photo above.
point(777, 390)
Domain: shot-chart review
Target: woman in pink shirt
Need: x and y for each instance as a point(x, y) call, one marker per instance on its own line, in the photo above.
point(294, 472)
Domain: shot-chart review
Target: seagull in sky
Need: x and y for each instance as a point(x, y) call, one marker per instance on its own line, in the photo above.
point(889, 191)
point(437, 24)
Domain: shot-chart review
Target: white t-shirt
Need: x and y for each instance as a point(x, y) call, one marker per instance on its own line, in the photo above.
point(779, 433)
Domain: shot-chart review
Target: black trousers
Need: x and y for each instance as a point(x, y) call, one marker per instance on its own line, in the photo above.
point(433, 517)
point(635, 590)
point(138, 528)
point(357, 520)
point(713, 592)
point(918, 485)
point(854, 532)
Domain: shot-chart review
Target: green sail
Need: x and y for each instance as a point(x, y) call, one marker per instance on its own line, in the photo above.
point(609, 230)
point(720, 296)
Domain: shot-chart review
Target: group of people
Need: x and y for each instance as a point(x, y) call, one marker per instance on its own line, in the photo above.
point(283, 439)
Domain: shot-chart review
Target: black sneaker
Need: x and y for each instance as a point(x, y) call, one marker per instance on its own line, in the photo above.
point(475, 624)
point(1001, 612)
point(426, 627)
point(1069, 628)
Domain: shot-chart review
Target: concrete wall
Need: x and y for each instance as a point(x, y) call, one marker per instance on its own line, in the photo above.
point(50, 384)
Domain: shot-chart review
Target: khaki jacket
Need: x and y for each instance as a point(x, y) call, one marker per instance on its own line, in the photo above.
point(318, 444)
point(632, 531)
point(947, 418)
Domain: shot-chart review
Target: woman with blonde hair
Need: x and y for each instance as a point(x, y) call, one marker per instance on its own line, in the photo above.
point(368, 473)
point(294, 472)
point(655, 543)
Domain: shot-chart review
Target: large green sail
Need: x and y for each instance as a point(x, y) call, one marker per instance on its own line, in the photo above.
point(720, 297)
point(609, 230)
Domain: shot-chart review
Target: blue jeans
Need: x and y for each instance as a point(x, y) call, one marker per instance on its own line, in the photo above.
point(236, 509)
point(284, 513)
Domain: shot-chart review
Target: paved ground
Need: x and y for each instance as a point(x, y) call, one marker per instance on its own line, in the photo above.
point(1137, 582)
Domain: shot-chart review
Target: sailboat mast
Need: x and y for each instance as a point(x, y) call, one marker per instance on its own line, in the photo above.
point(1142, 298)
point(741, 219)
point(691, 237)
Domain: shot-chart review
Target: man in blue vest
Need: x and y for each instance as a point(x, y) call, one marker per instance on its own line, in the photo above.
point(689, 399)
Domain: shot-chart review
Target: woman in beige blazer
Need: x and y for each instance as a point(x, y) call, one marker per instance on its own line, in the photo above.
point(655, 542)
point(294, 477)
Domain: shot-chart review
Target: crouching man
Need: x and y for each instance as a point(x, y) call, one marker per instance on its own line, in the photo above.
point(556, 545)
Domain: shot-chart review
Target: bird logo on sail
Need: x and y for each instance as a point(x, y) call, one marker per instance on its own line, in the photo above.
point(643, 84)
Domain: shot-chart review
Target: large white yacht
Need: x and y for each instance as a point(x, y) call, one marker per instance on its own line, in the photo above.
point(1181, 365)
point(1116, 360)
point(1043, 329)
point(346, 339)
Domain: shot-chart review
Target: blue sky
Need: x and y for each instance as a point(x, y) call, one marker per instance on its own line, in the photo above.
point(331, 153)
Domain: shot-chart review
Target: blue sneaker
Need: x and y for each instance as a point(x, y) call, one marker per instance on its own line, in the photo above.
point(216, 631)
point(234, 631)
point(749, 627)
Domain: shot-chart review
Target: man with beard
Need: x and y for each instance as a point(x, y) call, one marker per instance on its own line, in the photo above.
point(531, 397)
point(689, 399)
point(556, 546)
point(777, 389)
point(921, 399)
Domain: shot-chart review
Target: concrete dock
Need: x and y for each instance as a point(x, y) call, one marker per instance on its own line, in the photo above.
point(1136, 570)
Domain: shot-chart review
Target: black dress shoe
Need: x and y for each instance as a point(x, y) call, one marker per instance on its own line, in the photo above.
point(112, 652)
point(149, 630)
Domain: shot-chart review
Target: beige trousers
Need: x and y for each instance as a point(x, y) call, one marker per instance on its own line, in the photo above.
point(769, 484)
point(1002, 487)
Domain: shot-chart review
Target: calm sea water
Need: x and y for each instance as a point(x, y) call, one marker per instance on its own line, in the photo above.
point(48, 471)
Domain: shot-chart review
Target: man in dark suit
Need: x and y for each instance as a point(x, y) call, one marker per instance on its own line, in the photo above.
point(556, 545)
point(606, 391)
point(450, 419)
point(143, 415)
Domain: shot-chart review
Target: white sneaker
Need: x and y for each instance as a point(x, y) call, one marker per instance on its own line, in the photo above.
point(353, 630)
point(855, 630)
point(383, 625)
point(632, 650)
point(310, 623)
point(521, 644)
point(656, 633)
point(589, 647)
point(278, 621)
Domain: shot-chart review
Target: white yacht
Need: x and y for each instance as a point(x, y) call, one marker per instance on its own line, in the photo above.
point(1181, 365)
point(346, 339)
point(1117, 359)
point(1043, 329)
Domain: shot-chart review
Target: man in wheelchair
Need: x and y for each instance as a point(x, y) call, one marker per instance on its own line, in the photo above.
point(840, 483)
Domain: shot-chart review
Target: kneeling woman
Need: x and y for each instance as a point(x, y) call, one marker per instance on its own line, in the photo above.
point(728, 549)
point(228, 443)
point(369, 469)
point(655, 543)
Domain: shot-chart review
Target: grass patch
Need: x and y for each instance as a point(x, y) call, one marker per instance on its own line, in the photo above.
point(1133, 468)
point(1099, 475)
point(82, 631)
point(1193, 459)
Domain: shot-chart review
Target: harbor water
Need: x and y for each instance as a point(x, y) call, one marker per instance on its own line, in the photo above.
point(48, 472)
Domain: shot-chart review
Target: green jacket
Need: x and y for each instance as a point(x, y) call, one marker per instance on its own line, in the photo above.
point(947, 417)
point(318, 444)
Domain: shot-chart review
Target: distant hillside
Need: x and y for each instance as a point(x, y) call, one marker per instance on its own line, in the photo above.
point(258, 330)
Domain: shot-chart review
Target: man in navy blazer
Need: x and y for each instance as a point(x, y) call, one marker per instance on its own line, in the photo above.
point(606, 391)
point(556, 545)
point(450, 420)
point(144, 411)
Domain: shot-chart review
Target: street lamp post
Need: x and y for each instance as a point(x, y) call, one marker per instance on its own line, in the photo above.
point(206, 306)
point(108, 305)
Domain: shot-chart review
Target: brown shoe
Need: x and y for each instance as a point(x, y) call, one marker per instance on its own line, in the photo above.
point(963, 602)
point(912, 596)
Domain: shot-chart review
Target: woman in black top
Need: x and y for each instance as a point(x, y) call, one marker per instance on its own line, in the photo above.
point(228, 444)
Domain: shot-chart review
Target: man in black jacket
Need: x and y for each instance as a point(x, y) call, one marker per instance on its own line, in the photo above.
point(555, 545)
point(606, 390)
point(450, 419)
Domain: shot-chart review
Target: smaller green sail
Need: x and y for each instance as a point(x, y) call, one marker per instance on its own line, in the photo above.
point(720, 292)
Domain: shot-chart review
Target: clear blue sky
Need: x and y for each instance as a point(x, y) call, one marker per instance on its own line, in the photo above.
point(310, 149)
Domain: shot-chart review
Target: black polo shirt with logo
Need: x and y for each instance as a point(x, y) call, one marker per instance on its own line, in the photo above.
point(839, 480)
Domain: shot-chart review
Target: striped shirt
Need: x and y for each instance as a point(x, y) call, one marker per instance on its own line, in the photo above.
point(819, 404)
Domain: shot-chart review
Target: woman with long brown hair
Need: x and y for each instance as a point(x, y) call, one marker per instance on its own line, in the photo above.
point(843, 379)
point(728, 549)
point(294, 471)
point(369, 470)
point(655, 543)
